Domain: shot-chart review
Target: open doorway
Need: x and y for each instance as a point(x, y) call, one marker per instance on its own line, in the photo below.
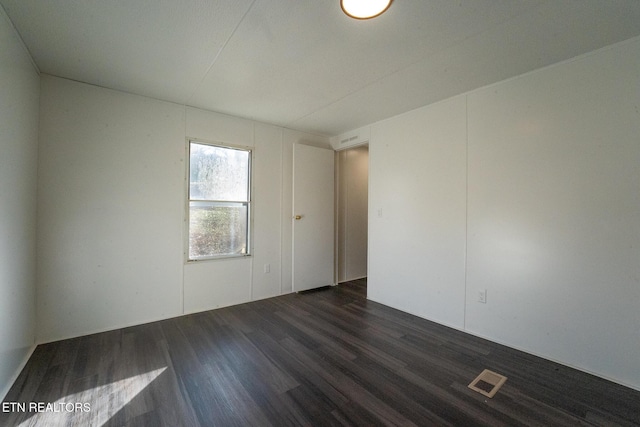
point(352, 183)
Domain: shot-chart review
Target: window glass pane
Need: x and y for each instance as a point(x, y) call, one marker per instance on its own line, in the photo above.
point(217, 229)
point(218, 173)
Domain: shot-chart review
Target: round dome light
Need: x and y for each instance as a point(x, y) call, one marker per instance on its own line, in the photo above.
point(364, 9)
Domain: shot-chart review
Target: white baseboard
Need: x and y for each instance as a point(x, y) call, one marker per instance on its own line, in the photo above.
point(14, 377)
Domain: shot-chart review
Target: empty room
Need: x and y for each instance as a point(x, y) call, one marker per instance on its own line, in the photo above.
point(303, 212)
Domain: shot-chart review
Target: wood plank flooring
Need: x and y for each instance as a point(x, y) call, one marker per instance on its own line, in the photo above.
point(328, 357)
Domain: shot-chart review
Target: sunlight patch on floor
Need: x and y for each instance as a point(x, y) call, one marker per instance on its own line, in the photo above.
point(104, 401)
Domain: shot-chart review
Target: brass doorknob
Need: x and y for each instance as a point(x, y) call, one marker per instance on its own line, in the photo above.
point(298, 217)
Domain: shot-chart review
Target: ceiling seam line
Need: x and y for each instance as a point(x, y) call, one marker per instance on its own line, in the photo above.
point(24, 46)
point(413, 63)
point(215, 58)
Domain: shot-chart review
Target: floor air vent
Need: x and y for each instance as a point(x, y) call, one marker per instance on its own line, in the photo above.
point(488, 383)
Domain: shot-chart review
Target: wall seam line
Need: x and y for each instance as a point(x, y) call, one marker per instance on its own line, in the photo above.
point(466, 211)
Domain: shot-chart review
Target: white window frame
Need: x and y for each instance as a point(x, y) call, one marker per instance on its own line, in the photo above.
point(248, 202)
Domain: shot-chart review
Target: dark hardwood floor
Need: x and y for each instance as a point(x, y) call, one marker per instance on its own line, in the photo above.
point(328, 357)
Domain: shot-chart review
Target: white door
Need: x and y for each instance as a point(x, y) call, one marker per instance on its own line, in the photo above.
point(313, 217)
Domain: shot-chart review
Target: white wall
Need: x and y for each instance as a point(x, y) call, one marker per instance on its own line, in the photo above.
point(112, 205)
point(554, 213)
point(352, 212)
point(549, 220)
point(110, 211)
point(19, 92)
point(417, 217)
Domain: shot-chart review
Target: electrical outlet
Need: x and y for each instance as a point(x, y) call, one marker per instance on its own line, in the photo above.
point(267, 268)
point(482, 296)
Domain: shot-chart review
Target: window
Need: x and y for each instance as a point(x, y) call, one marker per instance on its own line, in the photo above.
point(219, 201)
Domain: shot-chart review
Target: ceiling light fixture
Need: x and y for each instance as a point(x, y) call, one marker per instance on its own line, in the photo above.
point(364, 9)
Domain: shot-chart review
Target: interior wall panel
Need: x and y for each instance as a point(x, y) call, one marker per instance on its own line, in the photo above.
point(267, 201)
point(210, 284)
point(417, 212)
point(110, 194)
point(554, 213)
point(19, 98)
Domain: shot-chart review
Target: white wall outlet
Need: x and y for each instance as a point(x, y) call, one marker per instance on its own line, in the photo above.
point(267, 268)
point(482, 296)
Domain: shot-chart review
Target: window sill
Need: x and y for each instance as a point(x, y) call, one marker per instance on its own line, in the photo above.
point(217, 258)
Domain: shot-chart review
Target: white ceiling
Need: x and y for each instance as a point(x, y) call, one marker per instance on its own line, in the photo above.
point(303, 64)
